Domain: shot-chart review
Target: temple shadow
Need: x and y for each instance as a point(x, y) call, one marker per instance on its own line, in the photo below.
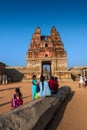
point(55, 121)
point(14, 75)
point(3, 104)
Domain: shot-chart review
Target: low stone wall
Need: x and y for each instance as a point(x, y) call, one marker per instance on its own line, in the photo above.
point(34, 115)
point(25, 73)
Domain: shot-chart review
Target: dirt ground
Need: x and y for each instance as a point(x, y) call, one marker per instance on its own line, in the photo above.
point(6, 92)
point(72, 115)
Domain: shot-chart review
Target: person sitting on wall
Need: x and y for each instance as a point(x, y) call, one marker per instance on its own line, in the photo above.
point(17, 98)
point(53, 84)
point(44, 88)
point(56, 85)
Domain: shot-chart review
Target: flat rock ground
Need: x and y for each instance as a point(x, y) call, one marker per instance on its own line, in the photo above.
point(72, 114)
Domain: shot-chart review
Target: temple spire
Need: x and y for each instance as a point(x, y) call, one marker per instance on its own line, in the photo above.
point(36, 36)
point(53, 30)
point(37, 31)
point(55, 35)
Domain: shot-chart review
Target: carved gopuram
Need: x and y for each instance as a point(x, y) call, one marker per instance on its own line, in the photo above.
point(46, 56)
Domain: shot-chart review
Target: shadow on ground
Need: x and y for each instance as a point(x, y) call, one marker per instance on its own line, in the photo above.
point(3, 104)
point(54, 123)
point(8, 89)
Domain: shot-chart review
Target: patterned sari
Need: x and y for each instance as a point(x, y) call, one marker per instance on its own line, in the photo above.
point(15, 102)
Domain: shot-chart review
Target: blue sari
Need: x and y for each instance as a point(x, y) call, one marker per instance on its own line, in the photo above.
point(34, 85)
point(43, 92)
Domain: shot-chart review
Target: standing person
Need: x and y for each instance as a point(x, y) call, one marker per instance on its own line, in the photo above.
point(34, 85)
point(81, 82)
point(44, 88)
point(17, 98)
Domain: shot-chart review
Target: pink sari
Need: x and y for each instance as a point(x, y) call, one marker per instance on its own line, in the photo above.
point(15, 102)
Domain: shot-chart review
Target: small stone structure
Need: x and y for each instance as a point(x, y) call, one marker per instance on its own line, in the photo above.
point(34, 115)
point(76, 70)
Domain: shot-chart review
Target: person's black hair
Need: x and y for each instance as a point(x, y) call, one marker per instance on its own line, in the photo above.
point(19, 93)
point(51, 77)
point(17, 90)
point(42, 80)
point(56, 78)
point(34, 76)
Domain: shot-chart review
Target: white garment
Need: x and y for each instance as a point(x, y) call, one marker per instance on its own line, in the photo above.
point(81, 80)
point(46, 91)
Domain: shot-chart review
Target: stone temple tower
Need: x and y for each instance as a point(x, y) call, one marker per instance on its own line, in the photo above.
point(46, 56)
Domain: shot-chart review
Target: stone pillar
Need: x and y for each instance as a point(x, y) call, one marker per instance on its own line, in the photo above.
point(83, 74)
point(86, 73)
point(0, 79)
point(4, 79)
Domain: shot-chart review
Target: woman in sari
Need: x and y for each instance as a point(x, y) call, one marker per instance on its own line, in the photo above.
point(17, 98)
point(44, 88)
point(34, 86)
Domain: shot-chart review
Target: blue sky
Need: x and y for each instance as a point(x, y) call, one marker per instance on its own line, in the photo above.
point(19, 18)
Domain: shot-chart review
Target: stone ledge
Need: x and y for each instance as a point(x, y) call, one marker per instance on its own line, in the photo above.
point(34, 115)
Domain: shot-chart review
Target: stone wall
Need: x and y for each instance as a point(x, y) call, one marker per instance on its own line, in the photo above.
point(21, 73)
point(75, 71)
point(25, 73)
point(34, 115)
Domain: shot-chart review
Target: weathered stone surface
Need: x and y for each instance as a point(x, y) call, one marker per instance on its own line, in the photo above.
point(34, 115)
point(76, 70)
point(47, 50)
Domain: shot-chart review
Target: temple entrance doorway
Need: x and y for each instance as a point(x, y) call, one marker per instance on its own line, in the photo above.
point(46, 69)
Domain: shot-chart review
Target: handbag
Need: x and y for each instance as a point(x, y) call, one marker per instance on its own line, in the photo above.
point(37, 88)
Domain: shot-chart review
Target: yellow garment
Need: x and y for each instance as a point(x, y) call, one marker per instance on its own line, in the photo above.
point(36, 96)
